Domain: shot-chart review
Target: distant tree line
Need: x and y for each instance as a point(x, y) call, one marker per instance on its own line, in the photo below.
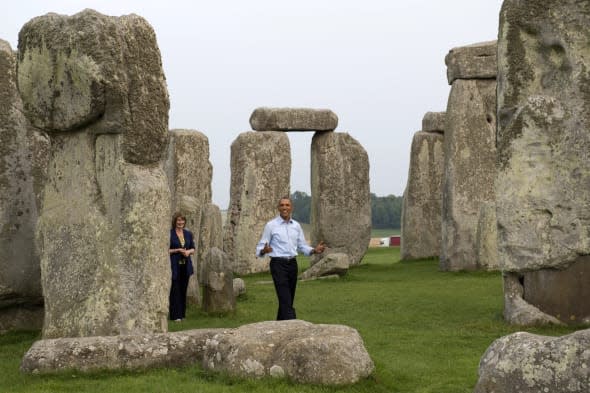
point(386, 212)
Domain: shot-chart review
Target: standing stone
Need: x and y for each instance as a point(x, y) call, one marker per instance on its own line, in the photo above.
point(486, 238)
point(260, 176)
point(24, 153)
point(543, 143)
point(469, 167)
point(189, 175)
point(218, 294)
point(422, 203)
point(293, 119)
point(102, 230)
point(210, 235)
point(340, 195)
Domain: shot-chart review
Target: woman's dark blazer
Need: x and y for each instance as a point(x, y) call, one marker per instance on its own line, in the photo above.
point(176, 257)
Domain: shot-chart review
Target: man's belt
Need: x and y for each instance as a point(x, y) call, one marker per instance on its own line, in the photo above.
point(283, 259)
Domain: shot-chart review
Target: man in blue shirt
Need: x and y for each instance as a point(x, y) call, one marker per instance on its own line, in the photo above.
point(282, 239)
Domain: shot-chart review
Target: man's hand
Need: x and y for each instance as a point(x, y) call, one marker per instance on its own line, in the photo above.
point(266, 249)
point(319, 248)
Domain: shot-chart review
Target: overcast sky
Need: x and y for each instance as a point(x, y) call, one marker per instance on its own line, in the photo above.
point(378, 64)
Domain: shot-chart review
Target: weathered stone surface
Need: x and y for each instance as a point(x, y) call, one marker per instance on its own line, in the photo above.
point(94, 71)
point(469, 169)
point(341, 201)
point(189, 174)
point(210, 235)
point(218, 288)
point(336, 263)
point(422, 203)
point(434, 121)
point(24, 153)
point(529, 363)
point(301, 351)
point(486, 238)
point(103, 252)
point(260, 176)
point(293, 119)
point(477, 61)
point(559, 292)
point(239, 287)
point(544, 172)
point(516, 310)
point(129, 352)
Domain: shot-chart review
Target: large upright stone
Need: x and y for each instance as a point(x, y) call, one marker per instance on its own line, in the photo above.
point(260, 175)
point(218, 293)
point(100, 73)
point(476, 61)
point(543, 142)
point(210, 235)
point(422, 204)
point(293, 119)
point(24, 153)
point(189, 175)
point(469, 168)
point(102, 230)
point(340, 195)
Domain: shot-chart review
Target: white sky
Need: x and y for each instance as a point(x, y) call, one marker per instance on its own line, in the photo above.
point(378, 64)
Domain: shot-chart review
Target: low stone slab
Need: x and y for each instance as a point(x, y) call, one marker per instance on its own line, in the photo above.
point(517, 311)
point(298, 350)
point(477, 61)
point(131, 352)
point(529, 363)
point(293, 119)
point(434, 121)
point(337, 263)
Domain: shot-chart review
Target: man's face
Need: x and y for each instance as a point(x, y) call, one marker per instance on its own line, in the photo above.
point(285, 209)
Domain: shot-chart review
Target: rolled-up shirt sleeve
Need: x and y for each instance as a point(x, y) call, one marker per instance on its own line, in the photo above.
point(264, 239)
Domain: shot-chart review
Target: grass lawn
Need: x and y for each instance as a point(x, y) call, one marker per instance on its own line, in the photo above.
point(424, 329)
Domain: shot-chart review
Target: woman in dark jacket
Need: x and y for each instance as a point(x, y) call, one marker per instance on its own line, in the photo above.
point(182, 246)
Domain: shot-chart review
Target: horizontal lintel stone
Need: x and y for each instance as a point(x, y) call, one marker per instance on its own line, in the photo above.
point(293, 119)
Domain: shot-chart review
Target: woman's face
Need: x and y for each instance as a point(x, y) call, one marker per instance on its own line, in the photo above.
point(180, 222)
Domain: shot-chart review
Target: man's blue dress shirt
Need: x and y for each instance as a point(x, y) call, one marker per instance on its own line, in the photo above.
point(284, 237)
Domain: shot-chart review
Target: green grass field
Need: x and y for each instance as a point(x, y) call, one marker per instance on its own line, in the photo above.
point(424, 329)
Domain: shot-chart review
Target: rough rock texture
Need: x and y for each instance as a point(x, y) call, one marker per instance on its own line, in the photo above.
point(24, 153)
point(131, 352)
point(218, 286)
point(239, 287)
point(337, 263)
point(260, 176)
point(93, 71)
point(100, 231)
point(189, 175)
point(469, 169)
point(340, 196)
point(434, 121)
point(529, 363)
point(293, 119)
point(516, 310)
point(210, 235)
point(422, 203)
point(298, 350)
point(543, 112)
point(477, 61)
point(486, 238)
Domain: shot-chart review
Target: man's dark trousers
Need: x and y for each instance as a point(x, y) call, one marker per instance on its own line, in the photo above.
point(284, 276)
